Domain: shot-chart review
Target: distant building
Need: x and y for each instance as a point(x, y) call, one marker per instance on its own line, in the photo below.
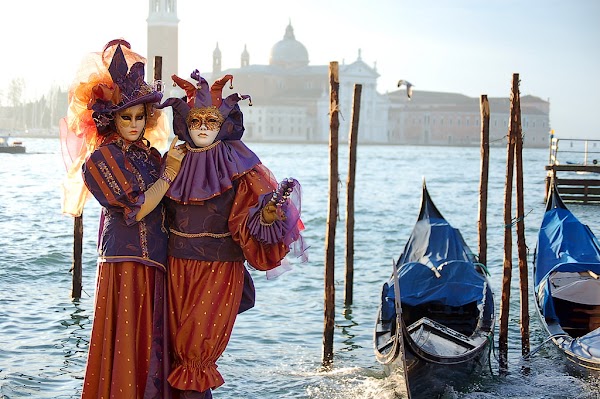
point(291, 98)
point(434, 118)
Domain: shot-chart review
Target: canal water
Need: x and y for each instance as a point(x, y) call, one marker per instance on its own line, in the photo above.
point(276, 348)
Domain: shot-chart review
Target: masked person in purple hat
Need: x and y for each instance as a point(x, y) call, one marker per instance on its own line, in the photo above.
point(112, 111)
point(226, 209)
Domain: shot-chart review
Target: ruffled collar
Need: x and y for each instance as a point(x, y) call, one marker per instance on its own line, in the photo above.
point(209, 171)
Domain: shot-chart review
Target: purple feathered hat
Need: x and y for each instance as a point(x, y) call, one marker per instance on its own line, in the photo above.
point(202, 95)
point(129, 87)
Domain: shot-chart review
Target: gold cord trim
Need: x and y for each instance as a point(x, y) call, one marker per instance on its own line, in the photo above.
point(198, 235)
point(202, 149)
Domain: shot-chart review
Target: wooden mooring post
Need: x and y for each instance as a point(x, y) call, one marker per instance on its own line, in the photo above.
point(352, 143)
point(514, 160)
point(77, 284)
point(517, 133)
point(334, 124)
point(507, 264)
point(158, 83)
point(484, 107)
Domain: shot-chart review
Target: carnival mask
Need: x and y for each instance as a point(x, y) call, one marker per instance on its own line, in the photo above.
point(204, 124)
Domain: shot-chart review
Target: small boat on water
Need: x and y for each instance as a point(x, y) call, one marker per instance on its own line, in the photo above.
point(435, 322)
point(11, 147)
point(566, 270)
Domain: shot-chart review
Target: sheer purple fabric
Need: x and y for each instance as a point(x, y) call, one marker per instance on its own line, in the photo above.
point(287, 230)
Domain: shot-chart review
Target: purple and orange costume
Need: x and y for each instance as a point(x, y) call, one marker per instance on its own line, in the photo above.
point(128, 352)
point(214, 216)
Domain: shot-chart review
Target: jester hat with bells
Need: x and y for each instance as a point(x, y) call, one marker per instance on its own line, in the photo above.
point(206, 172)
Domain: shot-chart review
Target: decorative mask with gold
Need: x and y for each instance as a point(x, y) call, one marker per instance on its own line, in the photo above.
point(204, 112)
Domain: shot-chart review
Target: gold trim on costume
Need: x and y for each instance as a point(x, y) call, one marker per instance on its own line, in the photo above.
point(108, 176)
point(202, 149)
point(198, 235)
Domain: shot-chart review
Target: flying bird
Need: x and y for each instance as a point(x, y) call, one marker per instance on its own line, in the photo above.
point(408, 85)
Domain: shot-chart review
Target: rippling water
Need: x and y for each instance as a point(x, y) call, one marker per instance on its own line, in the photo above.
point(276, 348)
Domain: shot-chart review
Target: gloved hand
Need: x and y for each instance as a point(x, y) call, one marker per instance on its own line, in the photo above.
point(157, 191)
point(270, 213)
point(173, 160)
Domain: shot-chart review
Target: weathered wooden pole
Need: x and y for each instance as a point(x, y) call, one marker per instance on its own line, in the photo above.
point(352, 143)
point(484, 107)
point(158, 73)
point(75, 270)
point(334, 124)
point(77, 285)
point(507, 267)
point(516, 132)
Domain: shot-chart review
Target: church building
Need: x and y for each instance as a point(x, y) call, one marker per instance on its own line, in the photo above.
point(290, 98)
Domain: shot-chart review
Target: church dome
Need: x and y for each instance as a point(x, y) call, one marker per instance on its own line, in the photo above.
point(289, 52)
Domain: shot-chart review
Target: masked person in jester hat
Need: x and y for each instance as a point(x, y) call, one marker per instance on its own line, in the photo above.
point(225, 210)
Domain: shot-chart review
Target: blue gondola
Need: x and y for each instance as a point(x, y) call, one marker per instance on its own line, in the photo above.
point(566, 270)
point(446, 330)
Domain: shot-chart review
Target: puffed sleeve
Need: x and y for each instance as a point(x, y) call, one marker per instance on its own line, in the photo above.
point(252, 186)
point(112, 183)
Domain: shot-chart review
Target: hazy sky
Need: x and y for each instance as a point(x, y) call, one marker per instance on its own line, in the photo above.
point(465, 46)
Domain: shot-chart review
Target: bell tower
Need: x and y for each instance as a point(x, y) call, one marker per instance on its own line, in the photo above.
point(245, 58)
point(216, 61)
point(163, 40)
